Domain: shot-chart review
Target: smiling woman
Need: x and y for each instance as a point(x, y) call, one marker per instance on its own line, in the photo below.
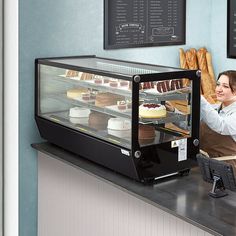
point(218, 121)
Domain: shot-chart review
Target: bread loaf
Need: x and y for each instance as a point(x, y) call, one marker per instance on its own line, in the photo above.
point(183, 65)
point(191, 59)
point(182, 58)
point(211, 98)
point(201, 57)
point(210, 69)
point(206, 84)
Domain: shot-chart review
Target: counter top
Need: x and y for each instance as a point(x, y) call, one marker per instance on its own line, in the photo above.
point(184, 197)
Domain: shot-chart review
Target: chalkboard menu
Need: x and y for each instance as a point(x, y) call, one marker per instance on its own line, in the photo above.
point(231, 30)
point(144, 23)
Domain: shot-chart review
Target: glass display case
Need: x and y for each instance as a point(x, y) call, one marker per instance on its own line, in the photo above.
point(137, 119)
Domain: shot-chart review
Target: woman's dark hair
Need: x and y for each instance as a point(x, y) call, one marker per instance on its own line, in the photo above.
point(231, 74)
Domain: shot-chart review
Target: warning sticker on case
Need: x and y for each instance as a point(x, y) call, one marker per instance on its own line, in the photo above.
point(182, 148)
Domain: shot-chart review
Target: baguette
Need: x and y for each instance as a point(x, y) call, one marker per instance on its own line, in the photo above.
point(206, 84)
point(211, 98)
point(183, 65)
point(191, 59)
point(201, 57)
point(210, 69)
point(182, 58)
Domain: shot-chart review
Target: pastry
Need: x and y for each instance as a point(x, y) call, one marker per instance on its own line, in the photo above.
point(98, 79)
point(113, 83)
point(121, 105)
point(107, 99)
point(119, 124)
point(152, 110)
point(146, 134)
point(118, 127)
point(85, 96)
point(79, 115)
point(86, 76)
point(146, 85)
point(72, 73)
point(106, 80)
point(79, 112)
point(124, 83)
point(169, 85)
point(74, 93)
point(98, 120)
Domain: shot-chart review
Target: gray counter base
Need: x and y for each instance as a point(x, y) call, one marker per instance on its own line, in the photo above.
point(185, 198)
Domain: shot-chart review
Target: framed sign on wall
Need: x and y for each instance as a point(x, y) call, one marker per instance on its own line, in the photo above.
point(142, 23)
point(231, 29)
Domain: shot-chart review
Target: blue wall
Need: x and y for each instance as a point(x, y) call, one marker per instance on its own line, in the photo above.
point(75, 27)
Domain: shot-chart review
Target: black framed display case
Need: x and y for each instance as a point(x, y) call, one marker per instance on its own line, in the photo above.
point(113, 112)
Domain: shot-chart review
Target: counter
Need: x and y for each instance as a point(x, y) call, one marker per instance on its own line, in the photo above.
point(183, 197)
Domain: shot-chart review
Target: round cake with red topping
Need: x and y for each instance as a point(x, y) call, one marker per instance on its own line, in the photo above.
point(152, 110)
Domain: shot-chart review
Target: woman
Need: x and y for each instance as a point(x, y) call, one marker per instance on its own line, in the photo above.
point(218, 122)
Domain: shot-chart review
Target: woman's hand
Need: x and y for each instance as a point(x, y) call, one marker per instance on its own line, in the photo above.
point(169, 107)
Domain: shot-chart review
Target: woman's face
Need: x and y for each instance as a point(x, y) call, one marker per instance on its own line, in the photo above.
point(224, 93)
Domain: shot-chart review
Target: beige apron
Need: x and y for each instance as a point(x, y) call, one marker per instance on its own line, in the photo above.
point(217, 145)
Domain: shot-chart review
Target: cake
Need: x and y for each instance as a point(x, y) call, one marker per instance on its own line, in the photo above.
point(74, 93)
point(152, 110)
point(121, 105)
point(106, 80)
point(98, 120)
point(129, 104)
point(86, 76)
point(85, 96)
point(119, 124)
point(79, 112)
point(124, 83)
point(146, 134)
point(79, 115)
point(72, 73)
point(107, 99)
point(118, 127)
point(98, 80)
point(113, 83)
point(169, 85)
point(147, 85)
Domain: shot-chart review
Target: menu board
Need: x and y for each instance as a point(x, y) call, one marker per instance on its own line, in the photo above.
point(231, 30)
point(144, 23)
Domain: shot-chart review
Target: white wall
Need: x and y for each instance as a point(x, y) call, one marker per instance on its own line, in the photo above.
point(218, 40)
point(11, 116)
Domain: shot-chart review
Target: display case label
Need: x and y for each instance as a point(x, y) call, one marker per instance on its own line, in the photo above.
point(182, 149)
point(125, 152)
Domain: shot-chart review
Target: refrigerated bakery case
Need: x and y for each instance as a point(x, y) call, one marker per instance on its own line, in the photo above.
point(137, 119)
